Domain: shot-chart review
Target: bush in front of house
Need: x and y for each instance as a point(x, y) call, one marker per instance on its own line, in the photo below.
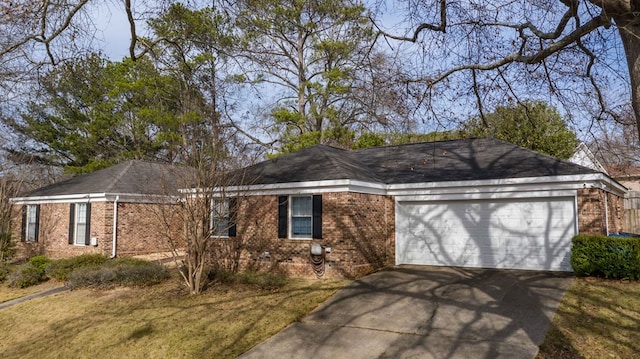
point(264, 280)
point(61, 268)
point(39, 262)
point(609, 257)
point(30, 273)
point(119, 272)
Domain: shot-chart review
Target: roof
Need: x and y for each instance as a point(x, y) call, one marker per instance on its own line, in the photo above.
point(454, 160)
point(130, 177)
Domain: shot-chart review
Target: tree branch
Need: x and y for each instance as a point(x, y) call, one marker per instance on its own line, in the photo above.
point(519, 57)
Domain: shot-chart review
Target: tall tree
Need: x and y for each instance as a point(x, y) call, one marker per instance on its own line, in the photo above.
point(194, 47)
point(93, 113)
point(315, 58)
point(582, 54)
point(532, 125)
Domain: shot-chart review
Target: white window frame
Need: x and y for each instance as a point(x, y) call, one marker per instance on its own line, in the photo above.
point(30, 234)
point(291, 217)
point(219, 206)
point(77, 222)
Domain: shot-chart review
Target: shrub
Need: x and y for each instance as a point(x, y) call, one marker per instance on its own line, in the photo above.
point(61, 268)
point(25, 276)
point(264, 280)
point(609, 257)
point(39, 262)
point(119, 272)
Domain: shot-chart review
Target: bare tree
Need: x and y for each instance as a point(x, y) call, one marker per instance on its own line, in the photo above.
point(572, 52)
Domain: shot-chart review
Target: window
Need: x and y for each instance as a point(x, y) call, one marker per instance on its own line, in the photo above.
point(79, 223)
point(222, 216)
point(30, 222)
point(300, 217)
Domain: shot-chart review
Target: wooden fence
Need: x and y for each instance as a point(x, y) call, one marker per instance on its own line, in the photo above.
point(632, 212)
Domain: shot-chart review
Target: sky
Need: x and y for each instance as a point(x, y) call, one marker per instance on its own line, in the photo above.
point(113, 32)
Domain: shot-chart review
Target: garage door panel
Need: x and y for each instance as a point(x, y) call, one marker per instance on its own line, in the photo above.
point(527, 234)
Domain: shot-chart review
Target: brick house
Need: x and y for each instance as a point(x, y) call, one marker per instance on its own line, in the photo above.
point(330, 212)
point(121, 210)
point(475, 203)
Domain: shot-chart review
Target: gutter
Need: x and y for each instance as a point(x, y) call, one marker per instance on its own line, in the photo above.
point(115, 227)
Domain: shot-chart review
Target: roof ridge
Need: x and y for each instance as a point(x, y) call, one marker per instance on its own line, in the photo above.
point(117, 178)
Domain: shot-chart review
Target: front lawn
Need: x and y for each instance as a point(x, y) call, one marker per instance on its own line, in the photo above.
point(155, 322)
point(597, 318)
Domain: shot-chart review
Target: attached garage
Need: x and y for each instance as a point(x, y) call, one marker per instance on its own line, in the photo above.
point(522, 233)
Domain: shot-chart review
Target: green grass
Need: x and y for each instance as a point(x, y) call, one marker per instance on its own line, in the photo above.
point(162, 321)
point(597, 318)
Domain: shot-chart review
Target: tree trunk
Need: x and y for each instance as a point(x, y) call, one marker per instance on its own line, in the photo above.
point(627, 19)
point(630, 35)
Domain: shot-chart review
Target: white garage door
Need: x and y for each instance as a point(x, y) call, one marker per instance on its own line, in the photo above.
point(529, 233)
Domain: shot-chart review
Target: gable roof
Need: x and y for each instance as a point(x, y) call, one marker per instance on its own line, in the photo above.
point(455, 160)
point(584, 157)
point(130, 177)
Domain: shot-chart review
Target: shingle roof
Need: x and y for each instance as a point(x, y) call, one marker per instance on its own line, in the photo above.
point(130, 177)
point(455, 160)
point(315, 163)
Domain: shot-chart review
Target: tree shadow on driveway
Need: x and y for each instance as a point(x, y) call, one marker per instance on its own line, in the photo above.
point(428, 312)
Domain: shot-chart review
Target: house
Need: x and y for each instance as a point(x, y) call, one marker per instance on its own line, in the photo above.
point(469, 203)
point(120, 210)
point(330, 212)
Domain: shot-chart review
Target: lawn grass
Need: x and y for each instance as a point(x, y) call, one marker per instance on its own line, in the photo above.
point(597, 318)
point(162, 321)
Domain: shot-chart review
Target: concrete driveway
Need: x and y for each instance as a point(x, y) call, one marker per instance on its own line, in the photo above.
point(427, 312)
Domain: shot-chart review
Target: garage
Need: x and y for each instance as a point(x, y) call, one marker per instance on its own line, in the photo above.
point(518, 233)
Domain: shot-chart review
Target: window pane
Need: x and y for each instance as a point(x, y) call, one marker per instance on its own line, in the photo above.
point(301, 206)
point(220, 227)
point(301, 226)
point(31, 232)
point(81, 233)
point(81, 213)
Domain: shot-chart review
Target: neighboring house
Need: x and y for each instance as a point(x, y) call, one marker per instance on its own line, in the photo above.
point(584, 157)
point(120, 210)
point(469, 203)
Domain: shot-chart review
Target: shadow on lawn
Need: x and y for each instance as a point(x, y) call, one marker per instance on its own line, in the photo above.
point(162, 322)
point(598, 318)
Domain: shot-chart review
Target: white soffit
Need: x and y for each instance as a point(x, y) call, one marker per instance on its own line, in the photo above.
point(548, 184)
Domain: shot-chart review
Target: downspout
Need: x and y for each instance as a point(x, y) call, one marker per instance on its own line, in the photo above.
point(606, 212)
point(115, 227)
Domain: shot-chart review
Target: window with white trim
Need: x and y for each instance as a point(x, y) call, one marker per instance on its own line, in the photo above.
point(79, 223)
point(219, 219)
point(301, 217)
point(80, 229)
point(31, 223)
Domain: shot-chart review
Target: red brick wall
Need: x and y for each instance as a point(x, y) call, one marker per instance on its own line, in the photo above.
point(140, 230)
point(358, 227)
point(592, 216)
